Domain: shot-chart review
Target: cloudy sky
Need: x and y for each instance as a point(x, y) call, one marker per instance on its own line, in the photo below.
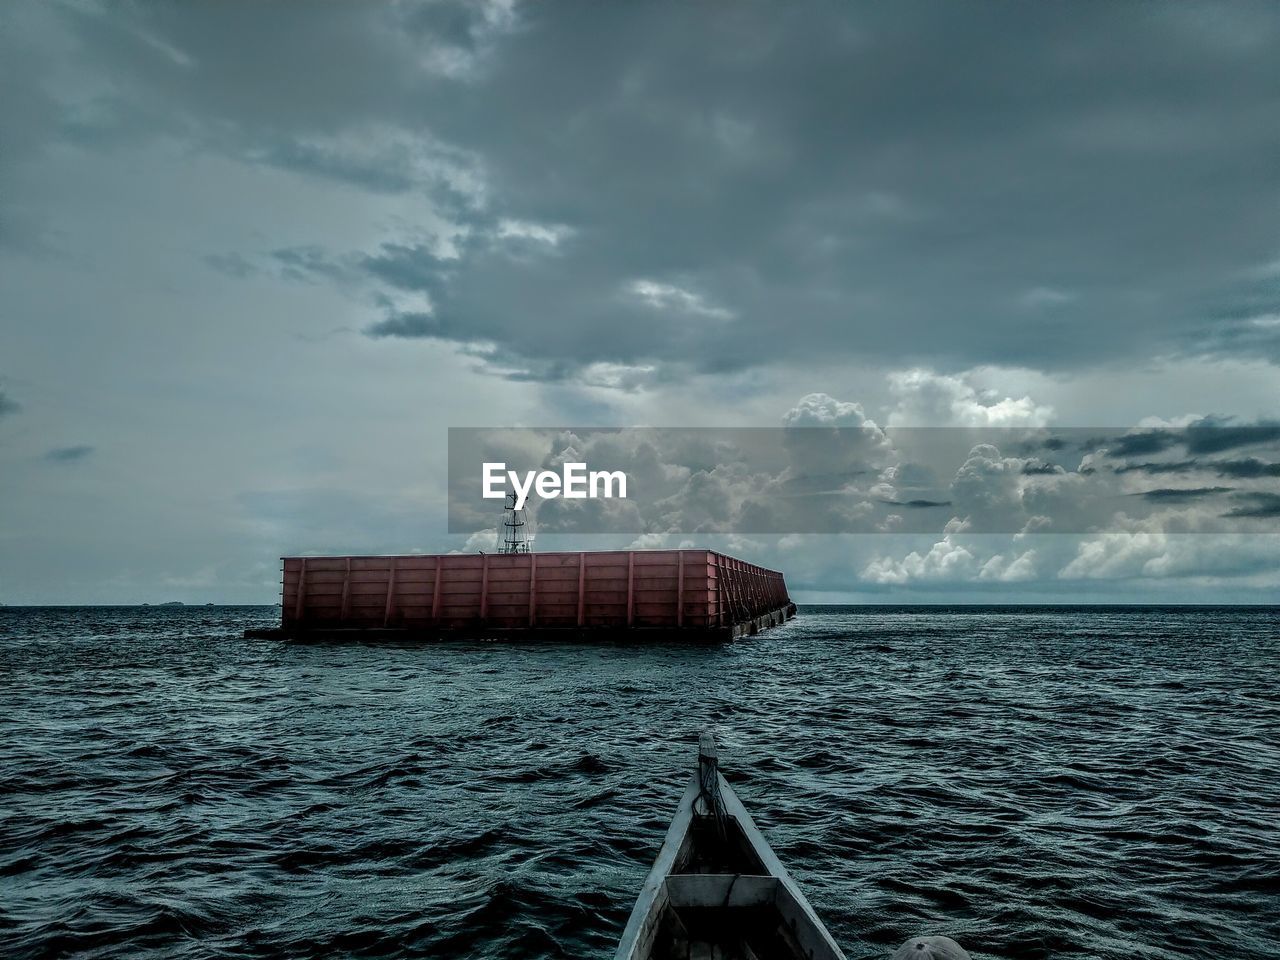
point(256, 259)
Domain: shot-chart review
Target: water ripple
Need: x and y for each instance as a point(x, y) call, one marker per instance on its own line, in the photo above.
point(1089, 783)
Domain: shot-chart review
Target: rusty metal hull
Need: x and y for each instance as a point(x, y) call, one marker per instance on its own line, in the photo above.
point(695, 595)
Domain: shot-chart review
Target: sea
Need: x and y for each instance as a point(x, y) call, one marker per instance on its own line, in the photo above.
point(1035, 782)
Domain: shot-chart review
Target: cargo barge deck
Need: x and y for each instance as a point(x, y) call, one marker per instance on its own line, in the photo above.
point(662, 595)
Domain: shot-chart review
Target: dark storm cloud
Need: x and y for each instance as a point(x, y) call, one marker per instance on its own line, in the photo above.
point(393, 168)
point(1207, 435)
point(1137, 444)
point(1149, 467)
point(1034, 184)
point(1216, 436)
point(8, 405)
point(1250, 468)
point(68, 454)
point(1257, 336)
point(846, 173)
point(307, 264)
point(552, 372)
point(407, 267)
point(1180, 495)
point(1259, 506)
point(1036, 467)
point(411, 325)
point(377, 173)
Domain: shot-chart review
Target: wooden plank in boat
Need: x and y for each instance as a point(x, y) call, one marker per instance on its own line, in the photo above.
point(730, 890)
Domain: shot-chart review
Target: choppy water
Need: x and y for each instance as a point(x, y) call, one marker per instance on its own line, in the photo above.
point(1036, 783)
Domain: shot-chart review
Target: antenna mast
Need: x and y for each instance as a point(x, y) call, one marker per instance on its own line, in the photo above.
point(514, 536)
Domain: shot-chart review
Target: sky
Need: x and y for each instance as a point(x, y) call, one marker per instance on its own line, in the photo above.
point(256, 259)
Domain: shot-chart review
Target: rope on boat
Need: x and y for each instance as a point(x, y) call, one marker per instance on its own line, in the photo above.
point(709, 784)
point(728, 894)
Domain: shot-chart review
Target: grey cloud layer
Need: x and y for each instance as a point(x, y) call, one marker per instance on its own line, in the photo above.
point(69, 454)
point(1024, 184)
point(254, 254)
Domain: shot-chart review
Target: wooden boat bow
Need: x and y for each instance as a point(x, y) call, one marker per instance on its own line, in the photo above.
point(717, 890)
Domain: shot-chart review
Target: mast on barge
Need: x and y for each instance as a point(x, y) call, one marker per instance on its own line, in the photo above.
point(514, 536)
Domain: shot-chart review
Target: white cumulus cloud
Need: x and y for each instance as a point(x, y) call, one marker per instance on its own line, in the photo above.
point(667, 296)
point(927, 399)
point(945, 560)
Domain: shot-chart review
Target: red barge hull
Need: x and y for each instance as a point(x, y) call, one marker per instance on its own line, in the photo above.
point(697, 595)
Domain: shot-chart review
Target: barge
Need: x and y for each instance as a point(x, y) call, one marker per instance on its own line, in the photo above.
point(684, 595)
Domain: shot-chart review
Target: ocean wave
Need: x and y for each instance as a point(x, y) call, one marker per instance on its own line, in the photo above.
point(1038, 783)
